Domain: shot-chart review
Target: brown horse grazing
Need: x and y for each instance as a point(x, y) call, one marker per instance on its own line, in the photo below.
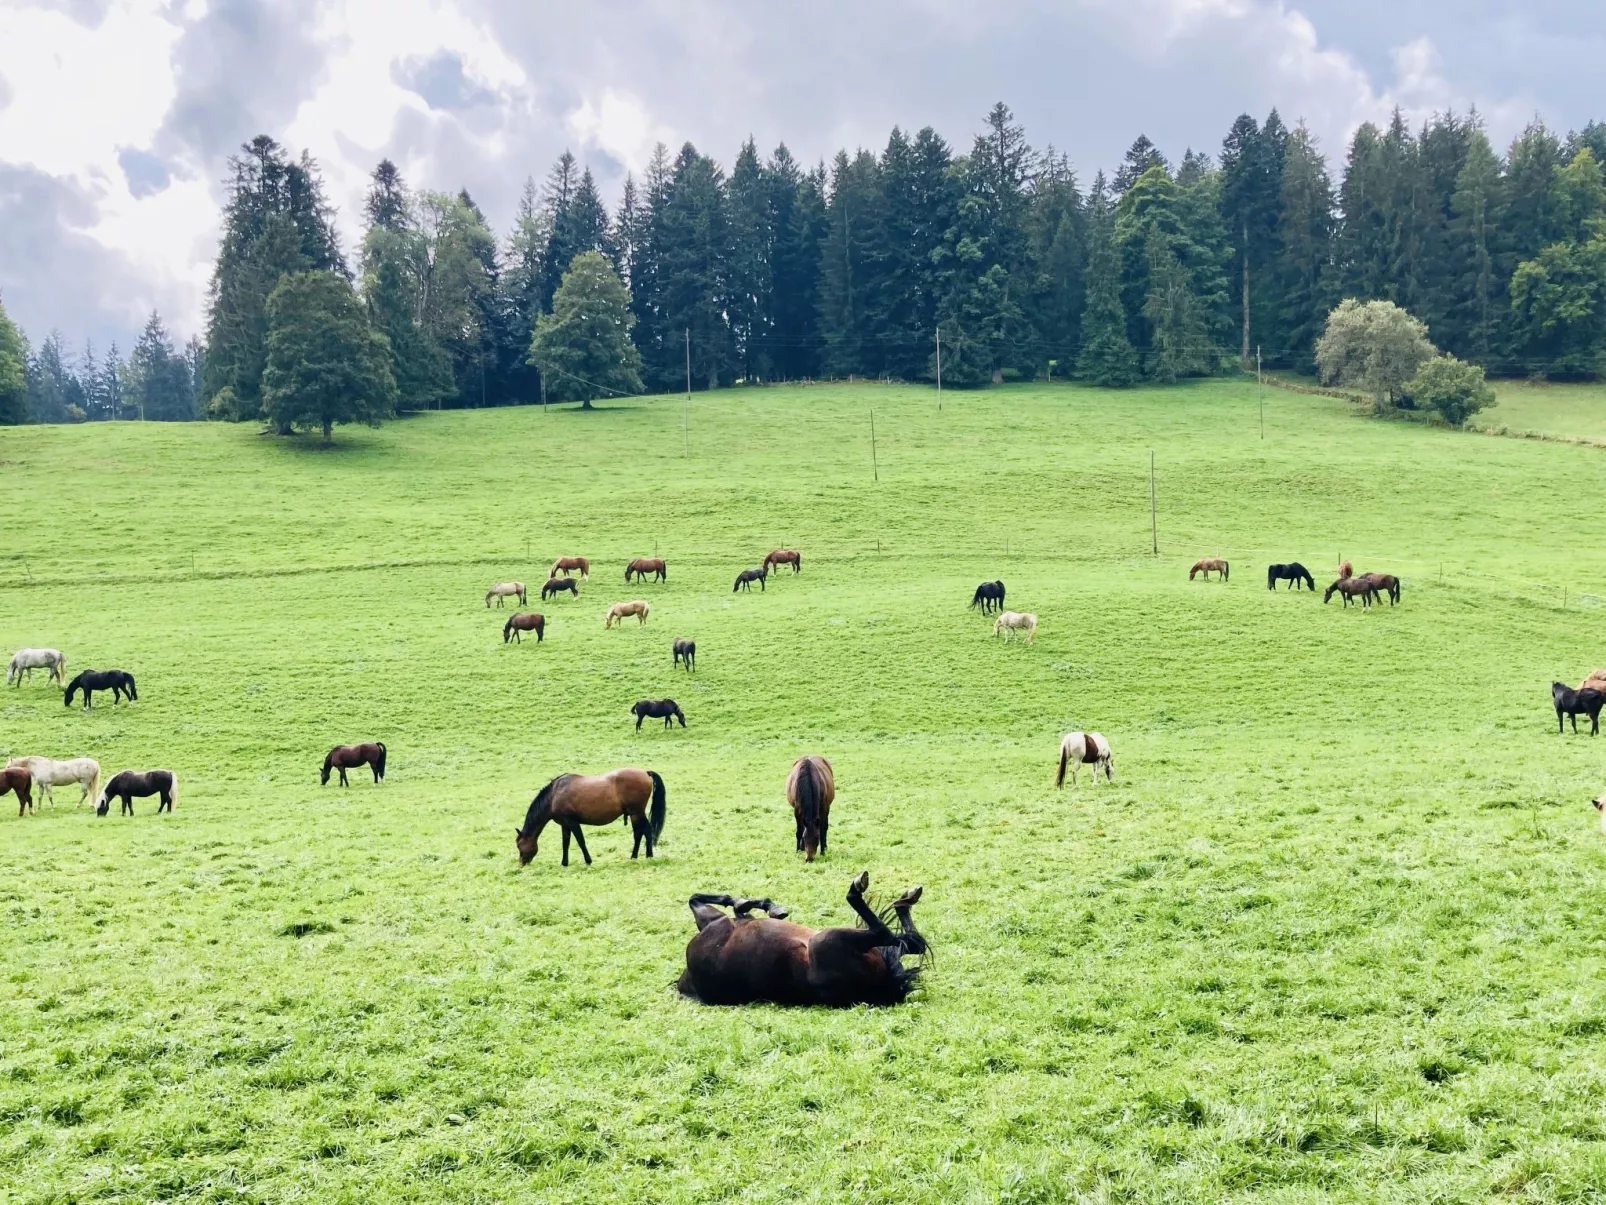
point(1208, 564)
point(505, 590)
point(571, 800)
point(348, 757)
point(21, 782)
point(685, 650)
point(665, 709)
point(643, 565)
point(1345, 569)
point(745, 959)
point(524, 621)
point(810, 789)
point(560, 585)
point(785, 556)
point(564, 564)
point(1385, 583)
point(129, 785)
point(1352, 587)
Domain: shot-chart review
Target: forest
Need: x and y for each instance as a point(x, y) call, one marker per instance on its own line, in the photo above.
point(998, 258)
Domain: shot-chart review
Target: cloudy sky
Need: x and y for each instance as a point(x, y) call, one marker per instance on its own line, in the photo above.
point(117, 116)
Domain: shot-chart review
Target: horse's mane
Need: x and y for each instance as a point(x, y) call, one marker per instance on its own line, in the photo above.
point(541, 805)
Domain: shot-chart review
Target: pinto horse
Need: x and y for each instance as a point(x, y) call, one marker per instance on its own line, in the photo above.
point(746, 959)
point(989, 597)
point(643, 565)
point(349, 757)
point(746, 578)
point(1211, 563)
point(685, 650)
point(129, 785)
point(616, 613)
point(1293, 573)
point(20, 782)
point(665, 709)
point(524, 621)
point(1352, 587)
point(48, 773)
point(119, 682)
point(566, 564)
point(571, 800)
point(25, 661)
point(505, 590)
point(560, 585)
point(1079, 749)
point(1572, 703)
point(785, 556)
point(811, 789)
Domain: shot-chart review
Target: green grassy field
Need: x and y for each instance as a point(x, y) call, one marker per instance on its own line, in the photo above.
point(1567, 410)
point(1334, 933)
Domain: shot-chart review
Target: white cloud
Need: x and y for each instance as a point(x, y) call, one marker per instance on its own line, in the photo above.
point(618, 123)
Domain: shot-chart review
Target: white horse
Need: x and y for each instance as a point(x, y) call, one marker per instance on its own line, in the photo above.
point(505, 590)
point(1084, 749)
point(1011, 622)
point(616, 613)
point(47, 772)
point(25, 661)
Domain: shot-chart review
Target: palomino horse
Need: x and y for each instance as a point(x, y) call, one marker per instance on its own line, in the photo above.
point(523, 621)
point(989, 597)
point(1600, 806)
point(119, 682)
point(129, 785)
point(19, 782)
point(48, 773)
point(1572, 703)
point(1211, 563)
point(746, 959)
point(643, 565)
point(811, 789)
point(25, 661)
point(1011, 622)
point(560, 585)
point(505, 590)
point(349, 757)
point(1595, 681)
point(1293, 573)
point(1385, 583)
point(666, 710)
point(746, 578)
point(618, 611)
point(565, 564)
point(1085, 749)
point(571, 800)
point(685, 650)
point(785, 556)
point(1352, 587)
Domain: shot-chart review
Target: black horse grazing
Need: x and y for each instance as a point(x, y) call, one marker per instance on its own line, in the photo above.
point(348, 757)
point(557, 585)
point(117, 681)
point(989, 597)
point(745, 959)
point(746, 578)
point(1293, 573)
point(686, 650)
point(139, 784)
point(1572, 703)
point(666, 709)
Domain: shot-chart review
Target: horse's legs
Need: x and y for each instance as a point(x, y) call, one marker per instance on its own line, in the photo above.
point(825, 827)
point(374, 766)
point(798, 816)
point(343, 780)
point(565, 844)
point(580, 840)
point(872, 922)
point(635, 847)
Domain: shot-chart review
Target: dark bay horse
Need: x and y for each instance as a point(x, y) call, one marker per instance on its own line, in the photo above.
point(119, 682)
point(20, 782)
point(643, 565)
point(129, 785)
point(811, 789)
point(571, 800)
point(521, 622)
point(558, 585)
point(745, 959)
point(349, 757)
point(1352, 587)
point(785, 556)
point(746, 578)
point(1385, 583)
point(665, 709)
point(685, 650)
point(1573, 703)
point(1293, 573)
point(989, 597)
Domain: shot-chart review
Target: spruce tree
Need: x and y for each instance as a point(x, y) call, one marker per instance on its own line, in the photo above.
point(853, 215)
point(693, 248)
point(1303, 275)
point(1107, 357)
point(797, 203)
point(325, 364)
point(583, 346)
point(750, 270)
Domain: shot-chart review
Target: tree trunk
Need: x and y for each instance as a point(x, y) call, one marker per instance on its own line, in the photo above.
point(586, 405)
point(1245, 254)
point(328, 431)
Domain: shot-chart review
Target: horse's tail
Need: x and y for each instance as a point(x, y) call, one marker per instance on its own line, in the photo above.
point(132, 693)
point(1224, 568)
point(174, 790)
point(94, 784)
point(61, 667)
point(381, 766)
point(809, 790)
point(656, 818)
point(1065, 761)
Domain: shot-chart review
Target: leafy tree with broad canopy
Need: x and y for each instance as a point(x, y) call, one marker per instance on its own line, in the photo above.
point(1452, 389)
point(583, 346)
point(1374, 345)
point(13, 372)
point(325, 363)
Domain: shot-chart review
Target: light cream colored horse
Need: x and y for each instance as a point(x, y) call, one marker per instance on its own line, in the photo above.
point(505, 590)
point(46, 772)
point(1011, 622)
point(618, 611)
point(1085, 749)
point(27, 660)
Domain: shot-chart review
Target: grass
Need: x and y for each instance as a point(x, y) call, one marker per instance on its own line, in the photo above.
point(1334, 933)
point(1565, 410)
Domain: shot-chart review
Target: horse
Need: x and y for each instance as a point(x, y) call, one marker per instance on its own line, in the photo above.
point(744, 959)
point(119, 682)
point(524, 621)
point(685, 650)
point(558, 585)
point(666, 709)
point(505, 590)
point(1600, 806)
point(1011, 622)
point(618, 611)
point(1595, 681)
point(811, 789)
point(1350, 587)
point(785, 556)
point(349, 757)
point(1085, 749)
point(47, 773)
point(989, 597)
point(1571, 703)
point(1385, 583)
point(746, 578)
point(1293, 573)
point(643, 565)
point(571, 800)
point(25, 661)
point(1211, 563)
point(129, 785)
point(564, 564)
point(19, 782)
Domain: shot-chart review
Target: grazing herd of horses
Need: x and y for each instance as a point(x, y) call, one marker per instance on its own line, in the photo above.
point(1367, 587)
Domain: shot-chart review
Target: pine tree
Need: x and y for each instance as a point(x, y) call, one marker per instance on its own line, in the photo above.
point(750, 271)
point(1140, 157)
point(521, 279)
point(1057, 242)
point(160, 382)
point(326, 365)
point(1303, 275)
point(662, 365)
point(1473, 325)
point(48, 373)
point(853, 215)
point(1252, 162)
point(387, 205)
point(693, 248)
point(583, 346)
point(1107, 357)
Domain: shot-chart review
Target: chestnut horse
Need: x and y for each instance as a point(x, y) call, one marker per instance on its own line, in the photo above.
point(1345, 569)
point(1352, 587)
point(746, 959)
point(785, 556)
point(349, 757)
point(1211, 563)
point(524, 621)
point(684, 650)
point(505, 590)
point(21, 782)
point(1085, 749)
point(810, 789)
point(564, 564)
point(129, 785)
point(618, 611)
point(571, 800)
point(643, 565)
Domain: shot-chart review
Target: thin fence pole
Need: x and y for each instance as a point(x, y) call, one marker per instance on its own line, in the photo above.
point(1260, 390)
point(939, 368)
point(685, 408)
point(875, 465)
point(1154, 530)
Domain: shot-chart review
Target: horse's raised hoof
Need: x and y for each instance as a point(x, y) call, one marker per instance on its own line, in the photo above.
point(861, 884)
point(909, 898)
